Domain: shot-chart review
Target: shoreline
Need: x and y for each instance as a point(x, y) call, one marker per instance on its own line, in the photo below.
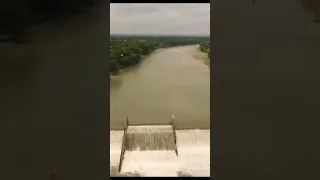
point(172, 61)
point(143, 57)
point(200, 56)
point(196, 53)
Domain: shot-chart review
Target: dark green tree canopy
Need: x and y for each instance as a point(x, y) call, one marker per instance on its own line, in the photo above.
point(128, 50)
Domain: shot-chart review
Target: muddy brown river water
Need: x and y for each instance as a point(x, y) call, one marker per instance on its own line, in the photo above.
point(174, 81)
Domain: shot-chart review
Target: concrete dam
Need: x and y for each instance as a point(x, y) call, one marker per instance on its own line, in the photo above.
point(159, 150)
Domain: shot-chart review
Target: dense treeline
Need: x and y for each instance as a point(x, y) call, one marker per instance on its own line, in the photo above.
point(128, 50)
point(205, 47)
point(16, 15)
point(127, 53)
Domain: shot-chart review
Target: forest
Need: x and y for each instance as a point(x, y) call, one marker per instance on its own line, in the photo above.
point(127, 50)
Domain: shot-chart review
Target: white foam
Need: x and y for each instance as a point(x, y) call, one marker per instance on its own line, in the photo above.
point(194, 157)
point(115, 147)
point(194, 151)
point(151, 163)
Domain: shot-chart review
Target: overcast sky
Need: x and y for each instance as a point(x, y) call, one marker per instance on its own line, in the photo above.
point(185, 19)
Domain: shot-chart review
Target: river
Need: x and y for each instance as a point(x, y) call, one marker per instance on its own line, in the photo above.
point(174, 81)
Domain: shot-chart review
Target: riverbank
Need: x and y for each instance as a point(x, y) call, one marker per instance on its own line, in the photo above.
point(197, 54)
point(173, 82)
point(126, 51)
point(124, 69)
point(194, 51)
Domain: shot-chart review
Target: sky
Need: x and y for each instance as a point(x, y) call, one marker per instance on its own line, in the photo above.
point(154, 18)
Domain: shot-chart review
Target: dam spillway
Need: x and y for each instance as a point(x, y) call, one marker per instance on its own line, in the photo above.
point(159, 150)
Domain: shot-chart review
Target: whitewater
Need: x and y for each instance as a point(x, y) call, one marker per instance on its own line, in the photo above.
point(148, 155)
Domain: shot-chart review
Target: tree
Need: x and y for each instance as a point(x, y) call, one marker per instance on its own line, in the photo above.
point(127, 51)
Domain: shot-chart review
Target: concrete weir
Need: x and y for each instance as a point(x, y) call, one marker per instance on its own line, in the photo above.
point(159, 150)
point(115, 148)
point(149, 138)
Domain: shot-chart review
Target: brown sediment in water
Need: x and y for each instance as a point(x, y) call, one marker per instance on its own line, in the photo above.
point(159, 89)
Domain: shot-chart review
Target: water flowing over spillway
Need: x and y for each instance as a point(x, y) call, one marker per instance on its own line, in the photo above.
point(194, 151)
point(151, 163)
point(193, 154)
point(144, 138)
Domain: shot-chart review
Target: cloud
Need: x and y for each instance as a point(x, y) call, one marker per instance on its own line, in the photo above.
point(193, 19)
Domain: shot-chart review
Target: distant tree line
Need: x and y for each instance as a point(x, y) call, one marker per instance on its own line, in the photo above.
point(16, 15)
point(127, 51)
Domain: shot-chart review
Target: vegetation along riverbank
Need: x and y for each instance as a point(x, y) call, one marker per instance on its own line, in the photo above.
point(127, 50)
point(205, 47)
